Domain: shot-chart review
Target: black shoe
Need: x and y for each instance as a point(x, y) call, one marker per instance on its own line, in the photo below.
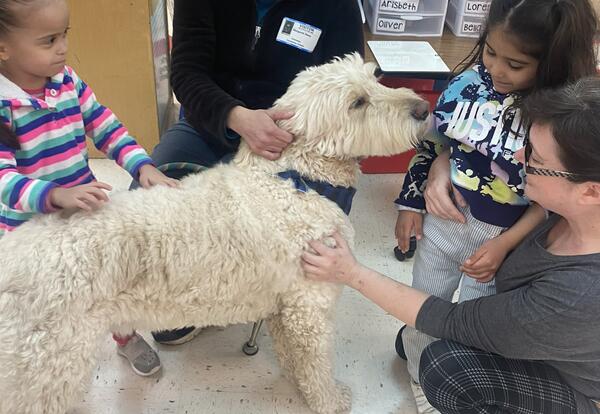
point(400, 344)
point(176, 336)
point(412, 247)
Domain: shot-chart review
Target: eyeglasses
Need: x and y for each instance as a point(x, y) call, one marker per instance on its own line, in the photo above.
point(543, 171)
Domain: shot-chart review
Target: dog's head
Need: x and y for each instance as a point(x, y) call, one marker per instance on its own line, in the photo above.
point(342, 111)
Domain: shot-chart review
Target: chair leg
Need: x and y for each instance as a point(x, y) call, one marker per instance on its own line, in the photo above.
point(251, 348)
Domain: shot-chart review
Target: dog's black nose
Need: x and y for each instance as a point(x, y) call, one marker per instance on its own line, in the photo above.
point(420, 111)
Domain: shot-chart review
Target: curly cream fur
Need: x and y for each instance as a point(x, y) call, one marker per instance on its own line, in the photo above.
point(224, 248)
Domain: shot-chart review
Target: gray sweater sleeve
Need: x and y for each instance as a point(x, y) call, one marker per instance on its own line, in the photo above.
point(546, 309)
point(552, 317)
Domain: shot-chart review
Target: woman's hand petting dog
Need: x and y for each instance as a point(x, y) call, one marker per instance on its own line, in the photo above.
point(331, 264)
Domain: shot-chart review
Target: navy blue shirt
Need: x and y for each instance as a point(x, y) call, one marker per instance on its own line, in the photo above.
point(217, 64)
point(262, 7)
point(470, 119)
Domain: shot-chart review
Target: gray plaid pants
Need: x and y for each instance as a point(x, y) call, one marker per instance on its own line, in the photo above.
point(458, 379)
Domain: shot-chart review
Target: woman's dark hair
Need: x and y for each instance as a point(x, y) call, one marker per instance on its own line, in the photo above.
point(573, 114)
point(559, 33)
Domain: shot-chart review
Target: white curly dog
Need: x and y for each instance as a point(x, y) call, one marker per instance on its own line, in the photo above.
point(223, 248)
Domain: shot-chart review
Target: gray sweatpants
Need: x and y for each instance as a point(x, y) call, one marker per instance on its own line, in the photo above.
point(444, 247)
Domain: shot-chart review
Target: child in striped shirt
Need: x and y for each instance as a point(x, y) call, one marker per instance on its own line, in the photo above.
point(46, 112)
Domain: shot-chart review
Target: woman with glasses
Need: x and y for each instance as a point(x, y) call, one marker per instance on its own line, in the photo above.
point(526, 46)
point(534, 347)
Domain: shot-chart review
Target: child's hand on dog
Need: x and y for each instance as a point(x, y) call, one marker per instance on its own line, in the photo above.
point(88, 197)
point(331, 264)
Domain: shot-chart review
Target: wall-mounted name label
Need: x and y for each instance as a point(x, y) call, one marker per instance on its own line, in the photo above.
point(477, 7)
point(471, 27)
point(395, 6)
point(391, 25)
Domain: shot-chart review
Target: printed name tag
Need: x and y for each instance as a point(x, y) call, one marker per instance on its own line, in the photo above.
point(398, 6)
point(300, 35)
point(391, 25)
point(477, 7)
point(471, 27)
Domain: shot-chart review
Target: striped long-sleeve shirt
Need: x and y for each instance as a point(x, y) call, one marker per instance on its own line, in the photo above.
point(53, 152)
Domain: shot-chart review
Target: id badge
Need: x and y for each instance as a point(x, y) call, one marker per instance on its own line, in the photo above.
point(297, 34)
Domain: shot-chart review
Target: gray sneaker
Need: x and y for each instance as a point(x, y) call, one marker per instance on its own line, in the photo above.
point(143, 359)
point(423, 406)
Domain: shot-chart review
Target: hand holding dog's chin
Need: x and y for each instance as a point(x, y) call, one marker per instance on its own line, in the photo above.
point(259, 130)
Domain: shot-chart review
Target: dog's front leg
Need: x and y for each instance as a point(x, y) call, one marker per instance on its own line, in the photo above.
point(303, 339)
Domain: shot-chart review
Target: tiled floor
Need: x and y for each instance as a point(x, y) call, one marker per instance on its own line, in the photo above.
point(212, 375)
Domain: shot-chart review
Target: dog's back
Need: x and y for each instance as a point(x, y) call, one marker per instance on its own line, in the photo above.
point(225, 247)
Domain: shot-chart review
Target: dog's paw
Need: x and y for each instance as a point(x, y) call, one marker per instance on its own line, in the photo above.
point(344, 398)
point(337, 400)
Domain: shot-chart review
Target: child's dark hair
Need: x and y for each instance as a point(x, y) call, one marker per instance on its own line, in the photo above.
point(573, 114)
point(8, 14)
point(8, 137)
point(9, 19)
point(559, 33)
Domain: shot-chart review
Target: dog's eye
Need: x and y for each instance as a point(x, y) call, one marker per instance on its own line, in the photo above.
point(378, 72)
point(359, 102)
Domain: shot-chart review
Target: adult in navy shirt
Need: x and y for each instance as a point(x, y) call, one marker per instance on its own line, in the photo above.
point(230, 61)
